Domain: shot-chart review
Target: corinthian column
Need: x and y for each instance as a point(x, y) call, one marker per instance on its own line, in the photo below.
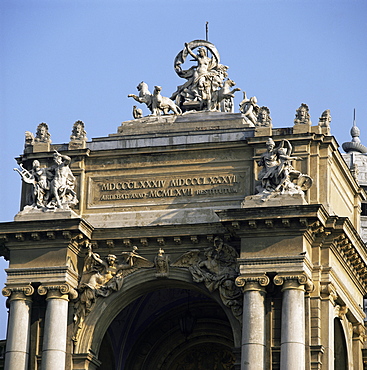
point(292, 347)
point(55, 329)
point(253, 321)
point(17, 341)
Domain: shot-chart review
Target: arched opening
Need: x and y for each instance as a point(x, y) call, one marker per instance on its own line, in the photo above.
point(169, 328)
point(340, 347)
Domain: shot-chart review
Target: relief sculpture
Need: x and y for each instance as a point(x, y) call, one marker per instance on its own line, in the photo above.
point(218, 270)
point(103, 276)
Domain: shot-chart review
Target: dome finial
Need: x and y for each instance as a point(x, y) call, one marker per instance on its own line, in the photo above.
point(354, 145)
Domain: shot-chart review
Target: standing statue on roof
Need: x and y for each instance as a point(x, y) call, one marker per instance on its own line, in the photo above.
point(205, 81)
point(62, 182)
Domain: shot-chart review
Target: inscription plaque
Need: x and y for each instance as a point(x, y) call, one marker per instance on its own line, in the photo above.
point(144, 189)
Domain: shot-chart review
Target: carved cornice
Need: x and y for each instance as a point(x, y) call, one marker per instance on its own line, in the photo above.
point(252, 282)
point(18, 292)
point(34, 232)
point(57, 291)
point(117, 243)
point(353, 259)
point(294, 281)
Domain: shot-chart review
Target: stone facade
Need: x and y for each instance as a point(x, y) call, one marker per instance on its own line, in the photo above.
point(187, 241)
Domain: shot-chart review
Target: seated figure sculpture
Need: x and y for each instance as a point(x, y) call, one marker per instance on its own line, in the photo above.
point(277, 175)
point(249, 108)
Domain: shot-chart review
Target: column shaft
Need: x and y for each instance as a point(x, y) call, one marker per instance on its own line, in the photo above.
point(55, 332)
point(17, 342)
point(253, 328)
point(292, 355)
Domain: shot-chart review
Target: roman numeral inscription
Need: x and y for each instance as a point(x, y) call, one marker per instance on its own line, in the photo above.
point(196, 186)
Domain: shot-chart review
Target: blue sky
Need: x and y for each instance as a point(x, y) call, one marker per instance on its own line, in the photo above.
point(62, 61)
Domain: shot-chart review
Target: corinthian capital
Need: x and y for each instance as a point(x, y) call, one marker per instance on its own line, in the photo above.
point(18, 291)
point(252, 282)
point(57, 291)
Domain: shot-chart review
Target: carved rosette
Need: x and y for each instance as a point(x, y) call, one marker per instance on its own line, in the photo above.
point(62, 291)
point(18, 292)
point(252, 282)
point(301, 281)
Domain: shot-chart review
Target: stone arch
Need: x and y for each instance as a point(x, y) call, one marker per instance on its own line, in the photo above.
point(135, 285)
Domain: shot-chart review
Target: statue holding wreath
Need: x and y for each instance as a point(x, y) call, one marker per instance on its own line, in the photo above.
point(205, 80)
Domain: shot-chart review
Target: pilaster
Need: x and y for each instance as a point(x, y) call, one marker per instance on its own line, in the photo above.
point(18, 337)
point(359, 336)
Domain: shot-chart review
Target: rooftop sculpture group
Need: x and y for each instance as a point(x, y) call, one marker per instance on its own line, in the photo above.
point(207, 86)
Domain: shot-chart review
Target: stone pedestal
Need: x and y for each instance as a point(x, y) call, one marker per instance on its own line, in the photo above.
point(17, 344)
